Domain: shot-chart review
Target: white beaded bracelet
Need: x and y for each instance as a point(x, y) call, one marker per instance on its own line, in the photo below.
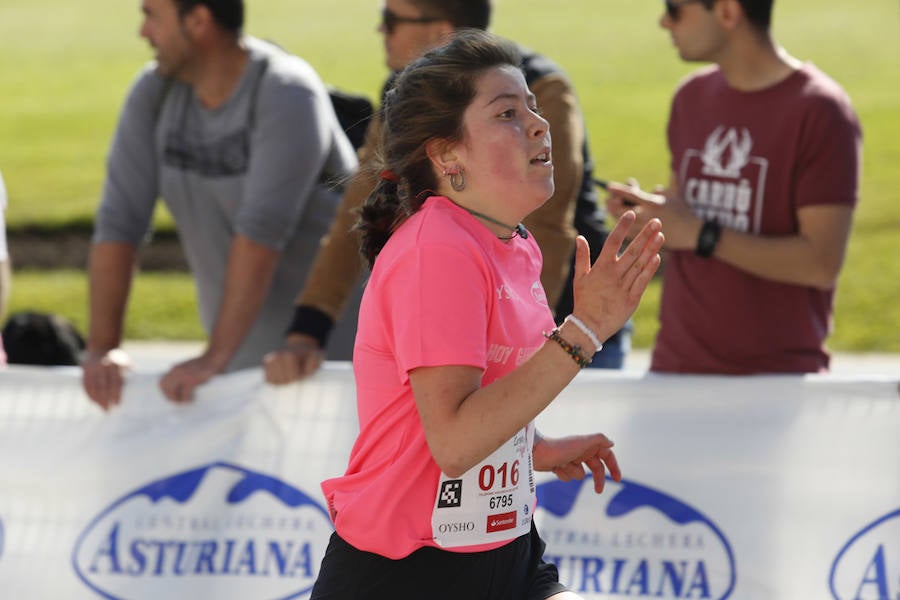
point(586, 331)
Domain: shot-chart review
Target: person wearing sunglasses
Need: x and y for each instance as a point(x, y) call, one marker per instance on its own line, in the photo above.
point(410, 28)
point(765, 167)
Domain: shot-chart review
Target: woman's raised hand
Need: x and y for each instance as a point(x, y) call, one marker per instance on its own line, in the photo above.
point(608, 292)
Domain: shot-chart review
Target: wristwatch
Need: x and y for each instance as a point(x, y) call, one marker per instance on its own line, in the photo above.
point(708, 238)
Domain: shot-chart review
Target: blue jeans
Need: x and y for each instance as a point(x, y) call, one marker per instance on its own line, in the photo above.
point(614, 350)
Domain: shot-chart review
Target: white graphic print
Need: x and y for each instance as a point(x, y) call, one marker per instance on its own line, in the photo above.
point(499, 353)
point(714, 152)
point(725, 182)
point(506, 292)
point(537, 292)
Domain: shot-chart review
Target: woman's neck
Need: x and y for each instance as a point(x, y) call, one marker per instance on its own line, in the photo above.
point(503, 231)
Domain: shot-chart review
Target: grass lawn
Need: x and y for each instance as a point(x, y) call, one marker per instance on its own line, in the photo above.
point(67, 65)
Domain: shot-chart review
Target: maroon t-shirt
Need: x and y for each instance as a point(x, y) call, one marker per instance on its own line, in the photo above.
point(750, 160)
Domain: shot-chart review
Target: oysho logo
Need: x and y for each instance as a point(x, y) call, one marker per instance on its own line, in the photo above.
point(458, 527)
point(868, 566)
point(219, 527)
point(632, 541)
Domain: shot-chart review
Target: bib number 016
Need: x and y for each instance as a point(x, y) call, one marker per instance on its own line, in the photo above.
point(506, 475)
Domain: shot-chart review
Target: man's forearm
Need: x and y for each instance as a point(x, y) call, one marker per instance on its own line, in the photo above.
point(249, 275)
point(111, 268)
point(810, 258)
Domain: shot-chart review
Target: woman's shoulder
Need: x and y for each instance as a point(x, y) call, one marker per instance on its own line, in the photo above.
point(438, 228)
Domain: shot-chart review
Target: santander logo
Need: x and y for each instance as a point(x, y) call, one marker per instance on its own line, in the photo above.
point(215, 527)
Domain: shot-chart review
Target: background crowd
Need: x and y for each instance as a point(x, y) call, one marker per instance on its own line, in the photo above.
point(592, 100)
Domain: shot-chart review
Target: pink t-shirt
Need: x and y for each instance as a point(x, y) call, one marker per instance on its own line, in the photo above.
point(444, 291)
point(751, 161)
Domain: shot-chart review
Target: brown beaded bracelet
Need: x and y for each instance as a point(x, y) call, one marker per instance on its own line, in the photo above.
point(573, 351)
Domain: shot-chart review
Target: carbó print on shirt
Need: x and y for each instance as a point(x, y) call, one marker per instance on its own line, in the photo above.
point(724, 182)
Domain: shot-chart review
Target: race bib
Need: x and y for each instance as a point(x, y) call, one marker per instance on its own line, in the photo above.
point(491, 502)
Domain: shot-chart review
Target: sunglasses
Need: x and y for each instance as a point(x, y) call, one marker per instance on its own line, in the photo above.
point(390, 20)
point(673, 6)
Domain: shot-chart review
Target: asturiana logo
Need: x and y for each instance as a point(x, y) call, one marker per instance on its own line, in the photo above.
point(647, 545)
point(868, 566)
point(215, 531)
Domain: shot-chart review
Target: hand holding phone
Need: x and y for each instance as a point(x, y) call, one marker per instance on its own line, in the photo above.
point(631, 193)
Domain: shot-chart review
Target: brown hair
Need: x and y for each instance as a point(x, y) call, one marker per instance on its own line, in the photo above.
point(228, 14)
point(461, 13)
point(759, 12)
point(427, 102)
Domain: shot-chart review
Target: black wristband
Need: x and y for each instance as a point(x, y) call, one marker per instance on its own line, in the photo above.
point(708, 238)
point(312, 322)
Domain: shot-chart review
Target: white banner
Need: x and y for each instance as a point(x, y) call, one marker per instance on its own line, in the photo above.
point(781, 487)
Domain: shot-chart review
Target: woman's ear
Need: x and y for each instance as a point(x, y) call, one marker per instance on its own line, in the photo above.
point(442, 154)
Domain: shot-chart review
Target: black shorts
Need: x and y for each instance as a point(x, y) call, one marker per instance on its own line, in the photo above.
point(515, 571)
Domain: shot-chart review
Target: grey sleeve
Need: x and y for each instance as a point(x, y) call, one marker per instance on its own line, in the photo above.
point(131, 186)
point(294, 137)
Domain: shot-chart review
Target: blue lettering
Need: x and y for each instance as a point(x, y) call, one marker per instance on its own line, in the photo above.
point(247, 559)
point(207, 553)
point(280, 558)
point(229, 548)
point(590, 570)
point(178, 568)
point(670, 574)
point(303, 561)
point(140, 560)
point(160, 555)
point(620, 577)
point(700, 582)
point(109, 550)
point(617, 573)
point(876, 574)
point(639, 579)
point(180, 558)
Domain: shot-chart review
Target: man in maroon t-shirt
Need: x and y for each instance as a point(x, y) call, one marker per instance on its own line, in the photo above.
point(765, 160)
